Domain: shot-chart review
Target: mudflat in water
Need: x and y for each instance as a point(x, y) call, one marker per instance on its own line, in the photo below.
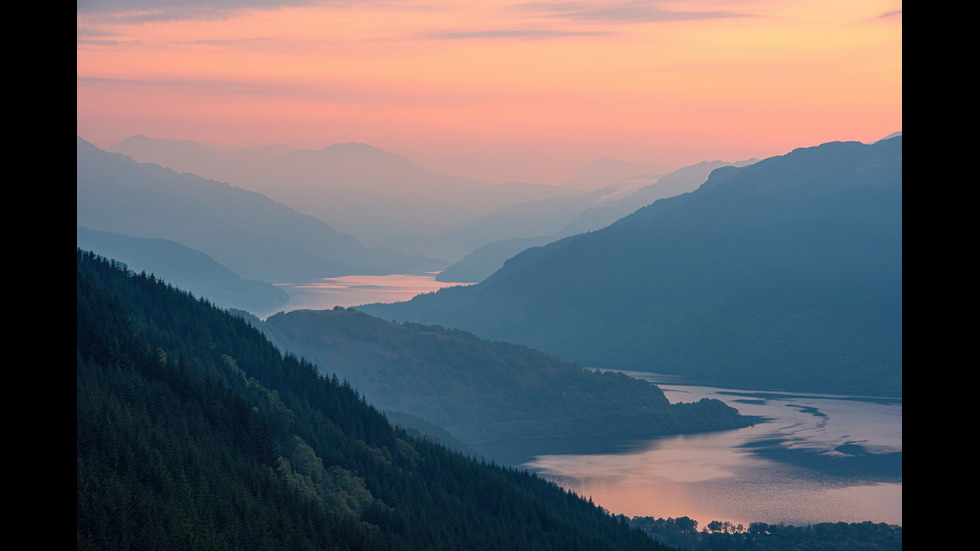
point(819, 458)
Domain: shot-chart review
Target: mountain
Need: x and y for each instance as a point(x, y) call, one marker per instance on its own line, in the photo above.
point(482, 245)
point(358, 189)
point(194, 432)
point(606, 171)
point(245, 231)
point(487, 259)
point(786, 273)
point(484, 392)
point(533, 220)
point(185, 268)
point(588, 213)
point(682, 180)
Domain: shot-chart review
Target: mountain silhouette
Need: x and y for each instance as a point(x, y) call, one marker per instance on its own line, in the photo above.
point(245, 231)
point(185, 268)
point(572, 216)
point(783, 273)
point(607, 171)
point(357, 188)
point(456, 381)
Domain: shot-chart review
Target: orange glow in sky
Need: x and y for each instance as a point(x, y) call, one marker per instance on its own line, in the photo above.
point(497, 90)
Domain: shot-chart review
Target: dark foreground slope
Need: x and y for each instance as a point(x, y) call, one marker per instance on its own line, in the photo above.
point(194, 432)
point(783, 274)
point(482, 391)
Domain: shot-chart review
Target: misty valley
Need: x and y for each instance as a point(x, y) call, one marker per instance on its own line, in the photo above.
point(337, 349)
point(791, 460)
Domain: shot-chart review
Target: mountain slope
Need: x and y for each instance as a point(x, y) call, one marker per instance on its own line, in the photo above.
point(682, 180)
point(359, 189)
point(186, 268)
point(605, 172)
point(194, 432)
point(786, 273)
point(249, 233)
point(484, 391)
point(590, 215)
point(487, 259)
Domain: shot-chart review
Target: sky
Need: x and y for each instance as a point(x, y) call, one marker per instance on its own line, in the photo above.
point(498, 90)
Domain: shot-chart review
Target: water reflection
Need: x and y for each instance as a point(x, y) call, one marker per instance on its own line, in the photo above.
point(354, 290)
point(820, 458)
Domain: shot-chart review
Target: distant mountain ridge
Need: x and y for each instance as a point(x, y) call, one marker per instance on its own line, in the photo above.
point(607, 171)
point(587, 213)
point(186, 268)
point(248, 232)
point(357, 188)
point(785, 273)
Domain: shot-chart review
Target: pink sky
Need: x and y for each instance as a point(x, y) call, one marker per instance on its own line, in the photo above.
point(497, 90)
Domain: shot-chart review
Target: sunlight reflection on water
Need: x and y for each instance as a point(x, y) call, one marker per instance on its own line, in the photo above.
point(706, 477)
point(716, 476)
point(355, 290)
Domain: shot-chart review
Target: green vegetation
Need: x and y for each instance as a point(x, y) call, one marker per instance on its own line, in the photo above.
point(722, 536)
point(195, 432)
point(482, 391)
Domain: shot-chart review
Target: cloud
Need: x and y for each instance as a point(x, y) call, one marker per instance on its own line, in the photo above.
point(219, 87)
point(335, 91)
point(529, 34)
point(619, 12)
point(136, 11)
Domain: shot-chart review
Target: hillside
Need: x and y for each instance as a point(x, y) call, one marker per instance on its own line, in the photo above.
point(786, 273)
point(194, 432)
point(245, 231)
point(358, 189)
point(481, 391)
point(185, 268)
point(589, 216)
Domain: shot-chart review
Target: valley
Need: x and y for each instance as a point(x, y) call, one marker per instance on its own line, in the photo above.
point(489, 276)
point(786, 469)
point(640, 444)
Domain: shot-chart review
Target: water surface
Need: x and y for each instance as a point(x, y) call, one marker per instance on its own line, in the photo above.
point(819, 458)
point(354, 290)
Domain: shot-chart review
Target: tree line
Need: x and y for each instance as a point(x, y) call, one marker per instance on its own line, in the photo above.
point(195, 432)
point(683, 533)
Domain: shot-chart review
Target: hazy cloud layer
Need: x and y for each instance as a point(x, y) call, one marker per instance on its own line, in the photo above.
point(132, 11)
point(514, 33)
point(621, 12)
point(460, 87)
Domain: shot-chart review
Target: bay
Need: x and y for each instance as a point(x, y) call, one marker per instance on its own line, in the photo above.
point(817, 458)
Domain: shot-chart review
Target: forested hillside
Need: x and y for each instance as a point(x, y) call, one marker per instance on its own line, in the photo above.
point(483, 391)
point(195, 432)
